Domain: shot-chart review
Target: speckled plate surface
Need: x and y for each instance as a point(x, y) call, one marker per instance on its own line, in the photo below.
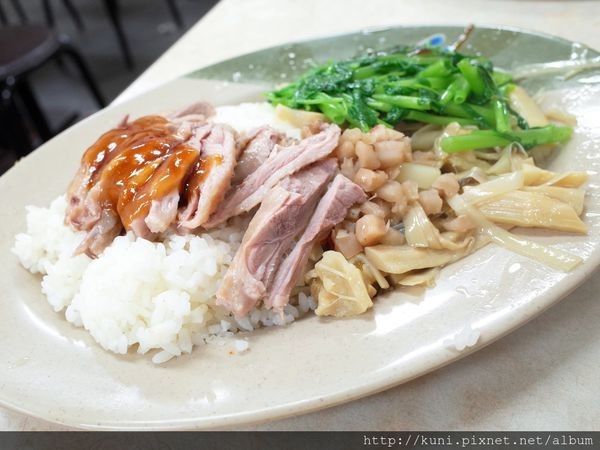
point(56, 372)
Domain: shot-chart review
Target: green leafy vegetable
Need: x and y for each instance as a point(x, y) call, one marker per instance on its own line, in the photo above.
point(422, 84)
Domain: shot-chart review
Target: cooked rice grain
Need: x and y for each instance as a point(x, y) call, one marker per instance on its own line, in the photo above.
point(153, 295)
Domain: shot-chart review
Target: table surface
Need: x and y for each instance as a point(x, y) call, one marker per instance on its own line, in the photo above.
point(544, 376)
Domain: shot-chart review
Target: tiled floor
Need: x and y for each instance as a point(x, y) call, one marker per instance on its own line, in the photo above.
point(150, 31)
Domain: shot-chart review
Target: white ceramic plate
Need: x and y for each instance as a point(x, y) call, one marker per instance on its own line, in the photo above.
point(56, 372)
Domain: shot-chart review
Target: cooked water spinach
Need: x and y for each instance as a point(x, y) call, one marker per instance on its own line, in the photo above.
point(420, 84)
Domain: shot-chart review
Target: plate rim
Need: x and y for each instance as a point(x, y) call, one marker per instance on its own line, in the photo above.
point(375, 29)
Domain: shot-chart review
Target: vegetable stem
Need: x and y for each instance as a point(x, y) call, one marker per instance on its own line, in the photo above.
point(404, 101)
point(501, 114)
point(550, 134)
point(420, 116)
point(472, 75)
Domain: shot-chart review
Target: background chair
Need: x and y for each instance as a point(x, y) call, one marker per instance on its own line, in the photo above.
point(3, 17)
point(71, 10)
point(48, 12)
point(19, 10)
point(14, 133)
point(113, 11)
point(23, 49)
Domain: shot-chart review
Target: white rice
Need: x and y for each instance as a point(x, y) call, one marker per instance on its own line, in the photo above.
point(241, 345)
point(154, 295)
point(463, 339)
point(246, 116)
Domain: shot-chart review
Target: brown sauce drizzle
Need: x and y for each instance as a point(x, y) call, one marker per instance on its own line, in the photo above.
point(111, 143)
point(139, 162)
point(167, 178)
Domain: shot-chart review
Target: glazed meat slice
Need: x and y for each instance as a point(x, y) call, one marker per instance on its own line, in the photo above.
point(110, 145)
point(282, 216)
point(131, 178)
point(180, 124)
point(211, 177)
point(153, 206)
point(124, 138)
point(256, 150)
point(283, 162)
point(134, 186)
point(331, 210)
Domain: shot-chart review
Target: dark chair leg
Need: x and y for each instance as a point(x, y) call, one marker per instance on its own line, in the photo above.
point(48, 13)
point(74, 15)
point(23, 89)
point(112, 9)
point(3, 17)
point(175, 13)
point(14, 129)
point(20, 11)
point(70, 51)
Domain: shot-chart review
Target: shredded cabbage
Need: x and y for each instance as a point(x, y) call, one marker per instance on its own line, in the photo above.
point(534, 176)
point(510, 159)
point(527, 108)
point(424, 138)
point(531, 209)
point(552, 257)
point(418, 229)
point(494, 188)
point(421, 174)
point(418, 278)
point(571, 196)
point(400, 259)
point(372, 270)
point(341, 289)
point(298, 117)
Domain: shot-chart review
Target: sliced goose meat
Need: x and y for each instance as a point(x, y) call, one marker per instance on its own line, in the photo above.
point(331, 210)
point(162, 213)
point(153, 206)
point(130, 173)
point(102, 152)
point(283, 214)
point(101, 234)
point(193, 111)
point(281, 163)
point(211, 177)
point(256, 150)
